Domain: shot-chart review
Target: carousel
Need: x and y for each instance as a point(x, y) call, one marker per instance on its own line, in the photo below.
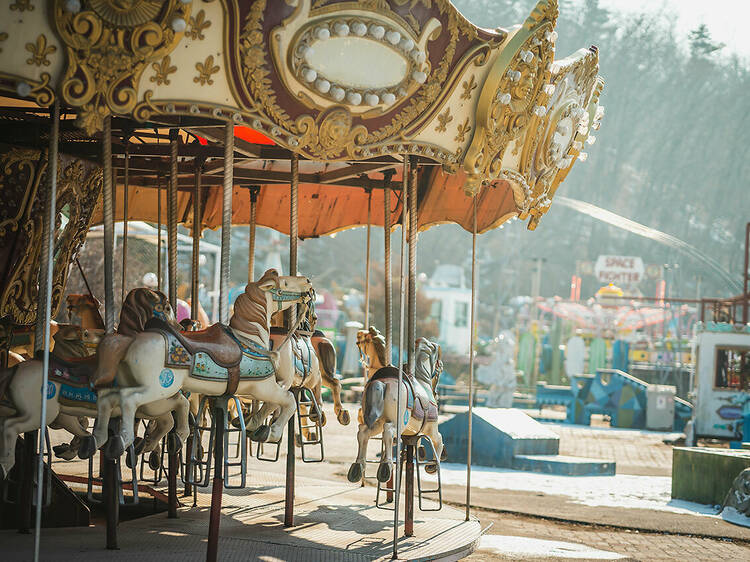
point(304, 116)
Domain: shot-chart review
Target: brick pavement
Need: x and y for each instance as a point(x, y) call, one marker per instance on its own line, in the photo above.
point(634, 545)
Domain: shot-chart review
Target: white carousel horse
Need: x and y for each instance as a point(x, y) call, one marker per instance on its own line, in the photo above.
point(68, 393)
point(418, 406)
point(220, 360)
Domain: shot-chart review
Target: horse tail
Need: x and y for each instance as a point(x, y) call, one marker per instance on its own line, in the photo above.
point(327, 355)
point(374, 402)
point(110, 353)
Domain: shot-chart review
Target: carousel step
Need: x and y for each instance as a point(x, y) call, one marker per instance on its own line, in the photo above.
point(564, 465)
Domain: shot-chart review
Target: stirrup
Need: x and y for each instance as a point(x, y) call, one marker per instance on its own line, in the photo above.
point(305, 397)
point(422, 463)
point(390, 505)
point(198, 469)
point(260, 447)
point(241, 446)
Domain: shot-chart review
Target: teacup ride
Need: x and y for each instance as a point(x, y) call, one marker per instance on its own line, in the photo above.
point(418, 410)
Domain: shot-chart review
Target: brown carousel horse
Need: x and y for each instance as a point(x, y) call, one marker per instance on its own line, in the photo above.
point(418, 412)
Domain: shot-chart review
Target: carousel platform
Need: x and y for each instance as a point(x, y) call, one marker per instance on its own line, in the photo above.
point(332, 522)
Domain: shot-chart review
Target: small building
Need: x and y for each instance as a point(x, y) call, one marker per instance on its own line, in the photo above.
point(451, 307)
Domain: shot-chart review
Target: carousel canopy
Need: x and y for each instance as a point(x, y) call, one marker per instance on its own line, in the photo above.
point(350, 87)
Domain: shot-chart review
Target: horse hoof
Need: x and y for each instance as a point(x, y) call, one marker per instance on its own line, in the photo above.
point(87, 448)
point(236, 422)
point(384, 472)
point(355, 473)
point(131, 458)
point(138, 445)
point(69, 454)
point(322, 418)
point(297, 440)
point(261, 434)
point(115, 447)
point(444, 454)
point(60, 450)
point(344, 418)
point(173, 444)
point(431, 468)
point(154, 460)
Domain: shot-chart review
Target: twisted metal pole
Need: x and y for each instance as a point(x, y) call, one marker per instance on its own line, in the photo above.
point(367, 259)
point(388, 281)
point(174, 141)
point(226, 222)
point(126, 180)
point(293, 236)
point(158, 229)
point(45, 279)
point(109, 228)
point(413, 227)
point(251, 241)
point(197, 227)
point(402, 293)
point(471, 350)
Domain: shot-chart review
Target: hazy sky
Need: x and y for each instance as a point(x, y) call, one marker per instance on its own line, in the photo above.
point(725, 18)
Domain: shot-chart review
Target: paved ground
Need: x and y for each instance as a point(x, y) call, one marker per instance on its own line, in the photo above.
point(634, 533)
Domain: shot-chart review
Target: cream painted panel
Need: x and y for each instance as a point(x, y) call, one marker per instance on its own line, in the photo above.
point(24, 29)
point(189, 52)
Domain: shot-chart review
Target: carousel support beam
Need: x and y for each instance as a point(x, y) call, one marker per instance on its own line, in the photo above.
point(388, 281)
point(109, 480)
point(44, 315)
point(293, 237)
point(219, 413)
point(401, 306)
point(367, 260)
point(254, 190)
point(471, 351)
point(226, 222)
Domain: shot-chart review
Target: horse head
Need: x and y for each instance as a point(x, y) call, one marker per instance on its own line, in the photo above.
point(372, 349)
point(140, 305)
point(74, 341)
point(82, 307)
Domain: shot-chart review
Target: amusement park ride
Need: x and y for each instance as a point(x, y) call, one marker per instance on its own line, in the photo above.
point(305, 116)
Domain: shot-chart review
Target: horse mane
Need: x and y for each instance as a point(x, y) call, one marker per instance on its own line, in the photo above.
point(86, 301)
point(142, 304)
point(433, 351)
point(378, 342)
point(251, 308)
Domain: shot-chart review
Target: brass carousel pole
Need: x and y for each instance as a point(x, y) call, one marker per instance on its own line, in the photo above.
point(220, 411)
point(412, 337)
point(254, 190)
point(402, 296)
point(367, 259)
point(125, 181)
point(388, 281)
point(45, 280)
point(471, 350)
point(172, 456)
point(197, 227)
point(109, 478)
point(293, 235)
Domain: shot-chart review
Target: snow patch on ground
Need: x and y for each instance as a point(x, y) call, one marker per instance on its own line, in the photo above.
point(523, 547)
point(733, 516)
point(621, 490)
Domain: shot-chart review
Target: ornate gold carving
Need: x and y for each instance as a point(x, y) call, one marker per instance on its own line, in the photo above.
point(107, 48)
point(197, 25)
point(22, 172)
point(513, 100)
point(205, 70)
point(3, 37)
point(39, 51)
point(443, 120)
point(162, 69)
point(462, 130)
point(469, 86)
point(40, 92)
point(22, 5)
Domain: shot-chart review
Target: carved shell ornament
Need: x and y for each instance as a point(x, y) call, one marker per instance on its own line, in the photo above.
point(126, 13)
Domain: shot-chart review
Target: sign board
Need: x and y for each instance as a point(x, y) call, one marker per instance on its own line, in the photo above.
point(620, 270)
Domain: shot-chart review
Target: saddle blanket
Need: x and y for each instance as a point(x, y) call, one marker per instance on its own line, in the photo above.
point(254, 364)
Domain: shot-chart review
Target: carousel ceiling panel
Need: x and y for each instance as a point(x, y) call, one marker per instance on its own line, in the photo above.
point(331, 80)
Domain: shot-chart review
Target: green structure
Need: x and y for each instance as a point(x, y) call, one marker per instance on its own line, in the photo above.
point(705, 475)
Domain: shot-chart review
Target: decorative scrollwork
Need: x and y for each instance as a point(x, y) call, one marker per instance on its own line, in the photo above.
point(22, 172)
point(107, 47)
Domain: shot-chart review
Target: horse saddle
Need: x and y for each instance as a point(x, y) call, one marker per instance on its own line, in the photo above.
point(423, 405)
point(214, 341)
